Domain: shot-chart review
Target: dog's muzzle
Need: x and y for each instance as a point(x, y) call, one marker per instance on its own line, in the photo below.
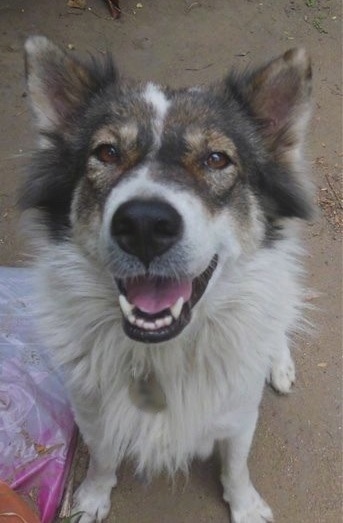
point(155, 309)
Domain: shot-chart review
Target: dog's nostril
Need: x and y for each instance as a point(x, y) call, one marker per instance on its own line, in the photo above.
point(146, 228)
point(166, 228)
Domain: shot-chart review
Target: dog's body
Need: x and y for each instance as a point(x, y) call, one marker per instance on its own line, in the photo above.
point(168, 213)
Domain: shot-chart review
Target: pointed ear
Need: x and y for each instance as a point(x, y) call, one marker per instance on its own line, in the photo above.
point(279, 96)
point(58, 84)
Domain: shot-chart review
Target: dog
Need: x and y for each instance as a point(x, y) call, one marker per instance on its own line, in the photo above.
point(167, 267)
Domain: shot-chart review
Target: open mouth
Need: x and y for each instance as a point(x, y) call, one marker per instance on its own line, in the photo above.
point(157, 309)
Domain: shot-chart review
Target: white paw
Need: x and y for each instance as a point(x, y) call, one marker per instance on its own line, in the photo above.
point(255, 510)
point(282, 375)
point(91, 503)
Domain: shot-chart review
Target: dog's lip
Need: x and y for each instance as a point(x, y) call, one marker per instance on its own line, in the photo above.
point(167, 323)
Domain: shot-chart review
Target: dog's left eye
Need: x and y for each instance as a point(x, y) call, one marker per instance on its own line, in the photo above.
point(106, 153)
point(218, 160)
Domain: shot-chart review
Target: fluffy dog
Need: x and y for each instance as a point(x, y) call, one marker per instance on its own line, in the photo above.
point(167, 264)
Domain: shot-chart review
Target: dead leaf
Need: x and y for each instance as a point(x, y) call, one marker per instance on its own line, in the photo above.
point(40, 449)
point(76, 4)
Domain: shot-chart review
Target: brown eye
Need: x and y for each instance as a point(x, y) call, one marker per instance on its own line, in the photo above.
point(218, 160)
point(106, 153)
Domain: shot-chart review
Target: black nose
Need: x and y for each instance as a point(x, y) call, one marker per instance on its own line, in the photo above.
point(146, 228)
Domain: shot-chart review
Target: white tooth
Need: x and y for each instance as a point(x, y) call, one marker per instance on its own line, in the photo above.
point(125, 306)
point(132, 319)
point(149, 326)
point(177, 307)
point(168, 320)
point(139, 322)
point(159, 323)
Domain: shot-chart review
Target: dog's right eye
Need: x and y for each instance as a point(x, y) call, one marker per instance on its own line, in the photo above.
point(106, 153)
point(218, 161)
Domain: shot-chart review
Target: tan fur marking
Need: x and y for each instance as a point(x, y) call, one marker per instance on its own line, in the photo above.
point(105, 135)
point(209, 141)
point(129, 134)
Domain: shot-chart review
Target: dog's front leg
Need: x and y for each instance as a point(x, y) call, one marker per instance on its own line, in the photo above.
point(246, 504)
point(282, 373)
point(92, 500)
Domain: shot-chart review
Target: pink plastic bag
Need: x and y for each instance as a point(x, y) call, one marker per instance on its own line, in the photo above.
point(37, 431)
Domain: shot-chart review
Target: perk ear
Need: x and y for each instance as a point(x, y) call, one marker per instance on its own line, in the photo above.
point(278, 96)
point(58, 84)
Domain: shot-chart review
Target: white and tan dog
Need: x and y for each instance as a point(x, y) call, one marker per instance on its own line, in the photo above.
point(168, 262)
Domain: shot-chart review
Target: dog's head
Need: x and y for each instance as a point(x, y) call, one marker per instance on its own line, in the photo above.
point(164, 187)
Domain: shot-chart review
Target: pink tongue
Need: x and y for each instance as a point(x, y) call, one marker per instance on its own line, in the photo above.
point(154, 295)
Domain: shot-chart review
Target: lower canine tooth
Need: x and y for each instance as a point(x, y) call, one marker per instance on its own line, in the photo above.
point(132, 319)
point(176, 308)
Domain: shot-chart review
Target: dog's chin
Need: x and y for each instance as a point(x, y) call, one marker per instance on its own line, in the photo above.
point(157, 309)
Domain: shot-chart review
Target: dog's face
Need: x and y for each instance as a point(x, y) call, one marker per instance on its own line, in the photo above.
point(164, 188)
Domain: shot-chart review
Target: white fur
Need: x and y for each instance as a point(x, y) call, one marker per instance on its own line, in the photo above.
point(212, 373)
point(154, 96)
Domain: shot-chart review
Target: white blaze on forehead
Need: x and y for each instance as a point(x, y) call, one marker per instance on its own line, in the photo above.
point(155, 97)
point(195, 89)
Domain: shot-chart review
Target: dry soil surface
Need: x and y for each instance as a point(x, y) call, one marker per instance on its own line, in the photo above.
point(296, 457)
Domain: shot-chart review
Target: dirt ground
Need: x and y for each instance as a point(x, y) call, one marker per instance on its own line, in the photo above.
point(296, 459)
